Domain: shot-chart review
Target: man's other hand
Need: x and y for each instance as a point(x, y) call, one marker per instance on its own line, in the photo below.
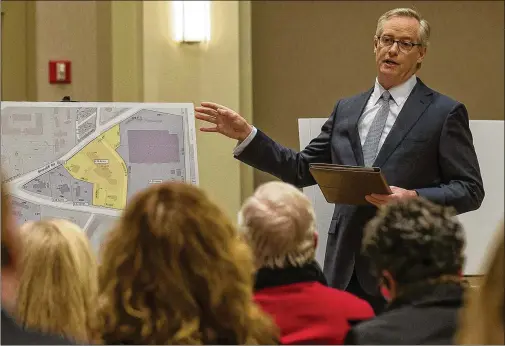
point(226, 121)
point(397, 194)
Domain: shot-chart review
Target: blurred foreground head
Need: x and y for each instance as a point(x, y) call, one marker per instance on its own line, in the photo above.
point(11, 252)
point(482, 321)
point(59, 283)
point(278, 221)
point(174, 271)
point(414, 242)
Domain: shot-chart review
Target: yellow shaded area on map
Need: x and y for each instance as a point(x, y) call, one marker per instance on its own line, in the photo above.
point(98, 163)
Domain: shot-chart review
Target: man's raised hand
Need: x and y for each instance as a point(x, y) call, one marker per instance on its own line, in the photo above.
point(226, 121)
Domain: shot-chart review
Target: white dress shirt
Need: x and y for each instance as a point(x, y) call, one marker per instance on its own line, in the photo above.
point(399, 95)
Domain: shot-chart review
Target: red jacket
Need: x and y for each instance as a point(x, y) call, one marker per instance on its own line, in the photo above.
point(311, 313)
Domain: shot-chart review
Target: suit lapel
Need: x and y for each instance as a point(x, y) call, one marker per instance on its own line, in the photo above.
point(416, 104)
point(356, 110)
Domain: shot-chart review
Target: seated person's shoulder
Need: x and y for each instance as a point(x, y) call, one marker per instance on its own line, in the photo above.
point(367, 332)
point(13, 334)
point(354, 307)
point(25, 337)
point(387, 328)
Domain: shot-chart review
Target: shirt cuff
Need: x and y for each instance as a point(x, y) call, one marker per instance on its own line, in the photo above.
point(242, 145)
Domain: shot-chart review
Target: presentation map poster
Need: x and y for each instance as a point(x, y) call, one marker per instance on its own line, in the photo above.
point(84, 161)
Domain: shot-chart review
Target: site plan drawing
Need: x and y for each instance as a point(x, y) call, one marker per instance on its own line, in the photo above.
point(84, 161)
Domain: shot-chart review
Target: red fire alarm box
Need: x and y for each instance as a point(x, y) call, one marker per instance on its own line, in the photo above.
point(59, 72)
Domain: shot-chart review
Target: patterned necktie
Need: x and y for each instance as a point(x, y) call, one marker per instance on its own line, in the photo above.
point(375, 133)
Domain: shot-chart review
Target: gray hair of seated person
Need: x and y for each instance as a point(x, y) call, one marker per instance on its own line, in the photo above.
point(415, 241)
point(278, 222)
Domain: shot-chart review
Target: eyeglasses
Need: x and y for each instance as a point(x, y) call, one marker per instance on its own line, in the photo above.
point(404, 46)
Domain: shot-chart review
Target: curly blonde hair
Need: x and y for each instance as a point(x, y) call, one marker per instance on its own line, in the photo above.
point(174, 271)
point(59, 281)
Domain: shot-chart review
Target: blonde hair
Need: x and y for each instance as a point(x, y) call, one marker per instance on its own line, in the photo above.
point(278, 221)
point(58, 285)
point(11, 254)
point(174, 271)
point(424, 26)
point(482, 316)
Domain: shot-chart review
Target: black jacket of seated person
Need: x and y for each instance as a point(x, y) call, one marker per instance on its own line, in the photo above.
point(426, 318)
point(13, 334)
point(266, 277)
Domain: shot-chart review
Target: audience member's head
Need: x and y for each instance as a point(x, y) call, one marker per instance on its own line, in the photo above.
point(11, 251)
point(483, 315)
point(59, 281)
point(174, 271)
point(278, 221)
point(412, 243)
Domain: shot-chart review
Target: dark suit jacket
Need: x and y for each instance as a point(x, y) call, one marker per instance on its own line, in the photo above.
point(429, 149)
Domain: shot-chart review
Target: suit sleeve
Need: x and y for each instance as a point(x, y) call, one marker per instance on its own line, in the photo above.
point(461, 182)
point(289, 165)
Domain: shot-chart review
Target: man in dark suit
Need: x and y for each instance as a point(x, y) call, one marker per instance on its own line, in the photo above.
point(419, 138)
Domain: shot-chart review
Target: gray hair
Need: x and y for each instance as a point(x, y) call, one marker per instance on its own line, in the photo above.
point(424, 26)
point(278, 222)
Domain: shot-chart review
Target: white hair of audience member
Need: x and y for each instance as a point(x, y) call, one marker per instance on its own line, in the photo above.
point(278, 222)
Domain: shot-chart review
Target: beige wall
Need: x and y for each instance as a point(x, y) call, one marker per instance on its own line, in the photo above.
point(308, 54)
point(246, 92)
point(104, 49)
point(126, 25)
point(14, 54)
point(195, 73)
point(67, 30)
point(38, 31)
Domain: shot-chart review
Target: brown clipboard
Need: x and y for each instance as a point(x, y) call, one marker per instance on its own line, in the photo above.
point(342, 184)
